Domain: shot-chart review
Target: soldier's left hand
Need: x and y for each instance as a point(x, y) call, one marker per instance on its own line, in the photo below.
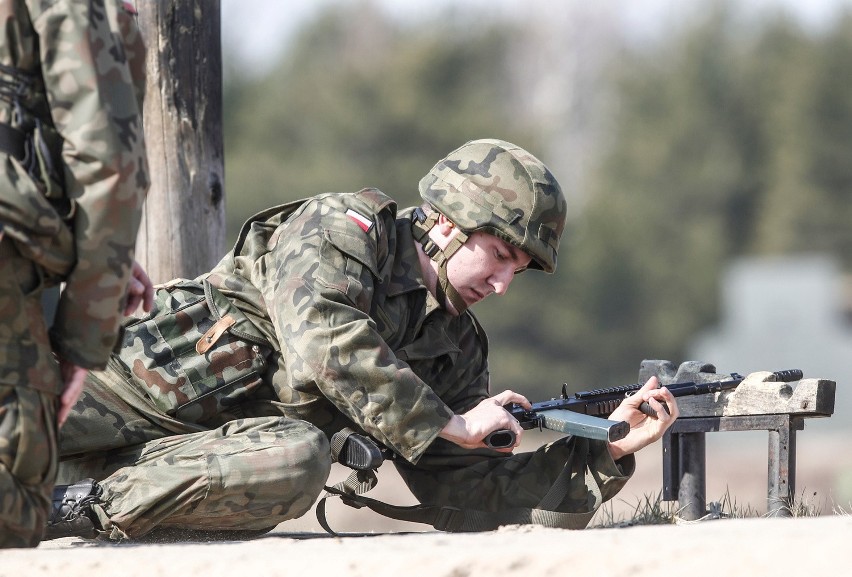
point(644, 429)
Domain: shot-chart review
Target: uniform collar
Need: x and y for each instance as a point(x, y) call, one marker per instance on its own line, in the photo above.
point(406, 275)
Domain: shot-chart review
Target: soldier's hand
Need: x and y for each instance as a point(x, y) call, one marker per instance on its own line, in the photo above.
point(73, 377)
point(470, 429)
point(139, 290)
point(644, 429)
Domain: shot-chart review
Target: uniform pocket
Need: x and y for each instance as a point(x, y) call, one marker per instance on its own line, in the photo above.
point(193, 355)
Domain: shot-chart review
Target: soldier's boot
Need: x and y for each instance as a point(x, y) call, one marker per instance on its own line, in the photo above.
point(72, 515)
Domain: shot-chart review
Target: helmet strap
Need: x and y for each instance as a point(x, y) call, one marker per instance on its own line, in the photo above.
point(420, 227)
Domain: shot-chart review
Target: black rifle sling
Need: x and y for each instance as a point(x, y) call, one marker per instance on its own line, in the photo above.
point(452, 519)
point(12, 142)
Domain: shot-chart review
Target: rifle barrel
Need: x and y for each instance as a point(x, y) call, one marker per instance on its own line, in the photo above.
point(687, 389)
point(555, 413)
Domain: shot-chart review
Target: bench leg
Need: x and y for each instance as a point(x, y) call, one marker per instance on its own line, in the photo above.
point(782, 469)
point(671, 465)
point(692, 492)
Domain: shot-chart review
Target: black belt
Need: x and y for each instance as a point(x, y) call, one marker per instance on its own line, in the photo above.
point(12, 141)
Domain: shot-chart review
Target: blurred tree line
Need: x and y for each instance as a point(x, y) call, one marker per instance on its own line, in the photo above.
point(726, 138)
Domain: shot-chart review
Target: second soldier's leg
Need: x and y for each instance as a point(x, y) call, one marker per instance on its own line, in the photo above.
point(248, 474)
point(27, 464)
point(29, 383)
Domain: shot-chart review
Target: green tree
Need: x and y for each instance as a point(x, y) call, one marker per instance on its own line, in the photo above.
point(360, 100)
point(730, 139)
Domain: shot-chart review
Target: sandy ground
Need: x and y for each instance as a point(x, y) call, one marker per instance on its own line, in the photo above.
point(373, 546)
point(732, 547)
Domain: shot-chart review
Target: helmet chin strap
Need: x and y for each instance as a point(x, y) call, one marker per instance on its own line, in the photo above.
point(420, 226)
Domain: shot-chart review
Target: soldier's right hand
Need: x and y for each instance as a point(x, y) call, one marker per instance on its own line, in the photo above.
point(73, 377)
point(140, 290)
point(470, 429)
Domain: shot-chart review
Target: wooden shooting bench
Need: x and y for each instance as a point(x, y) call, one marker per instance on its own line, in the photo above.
point(755, 405)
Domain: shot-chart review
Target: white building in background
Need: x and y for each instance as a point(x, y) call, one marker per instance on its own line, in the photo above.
point(785, 313)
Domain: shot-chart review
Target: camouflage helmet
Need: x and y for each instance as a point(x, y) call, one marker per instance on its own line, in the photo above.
point(499, 188)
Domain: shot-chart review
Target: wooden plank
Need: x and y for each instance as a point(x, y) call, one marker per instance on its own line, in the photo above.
point(734, 423)
point(755, 396)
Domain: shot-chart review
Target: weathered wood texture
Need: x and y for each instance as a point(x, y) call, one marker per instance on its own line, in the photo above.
point(183, 226)
point(754, 396)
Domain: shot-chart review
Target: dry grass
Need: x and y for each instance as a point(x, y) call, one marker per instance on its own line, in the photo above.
point(652, 510)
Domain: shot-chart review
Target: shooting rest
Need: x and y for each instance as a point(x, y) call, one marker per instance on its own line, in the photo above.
point(755, 405)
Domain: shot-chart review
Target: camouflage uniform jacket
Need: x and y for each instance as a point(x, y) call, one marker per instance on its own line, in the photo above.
point(335, 285)
point(72, 81)
point(320, 312)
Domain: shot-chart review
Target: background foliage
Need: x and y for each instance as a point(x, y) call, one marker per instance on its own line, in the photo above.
point(726, 138)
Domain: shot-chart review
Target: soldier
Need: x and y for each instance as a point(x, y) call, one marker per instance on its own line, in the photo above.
point(72, 181)
point(330, 313)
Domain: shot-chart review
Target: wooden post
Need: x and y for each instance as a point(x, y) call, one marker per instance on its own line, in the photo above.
point(183, 225)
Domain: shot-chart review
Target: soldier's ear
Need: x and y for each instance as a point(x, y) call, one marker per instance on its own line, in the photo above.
point(446, 227)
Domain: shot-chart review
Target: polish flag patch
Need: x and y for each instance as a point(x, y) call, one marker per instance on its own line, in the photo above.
point(365, 223)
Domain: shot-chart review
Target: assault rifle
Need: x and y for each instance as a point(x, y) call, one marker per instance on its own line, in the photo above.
point(580, 414)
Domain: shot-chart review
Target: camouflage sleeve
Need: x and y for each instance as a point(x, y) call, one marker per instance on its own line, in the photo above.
point(93, 67)
point(318, 285)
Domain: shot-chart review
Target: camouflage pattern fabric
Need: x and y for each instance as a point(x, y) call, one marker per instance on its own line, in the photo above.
point(248, 474)
point(499, 188)
point(28, 454)
point(195, 354)
point(79, 68)
point(353, 338)
point(495, 187)
point(27, 464)
point(71, 85)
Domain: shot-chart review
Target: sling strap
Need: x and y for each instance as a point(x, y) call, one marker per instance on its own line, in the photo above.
point(15, 85)
point(29, 134)
point(421, 224)
point(453, 519)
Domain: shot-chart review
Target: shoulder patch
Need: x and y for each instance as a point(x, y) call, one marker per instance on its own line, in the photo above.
point(362, 221)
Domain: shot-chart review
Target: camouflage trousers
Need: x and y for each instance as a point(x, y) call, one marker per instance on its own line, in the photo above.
point(27, 464)
point(29, 378)
point(247, 474)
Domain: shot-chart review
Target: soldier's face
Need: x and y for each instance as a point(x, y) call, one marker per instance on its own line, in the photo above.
point(484, 265)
